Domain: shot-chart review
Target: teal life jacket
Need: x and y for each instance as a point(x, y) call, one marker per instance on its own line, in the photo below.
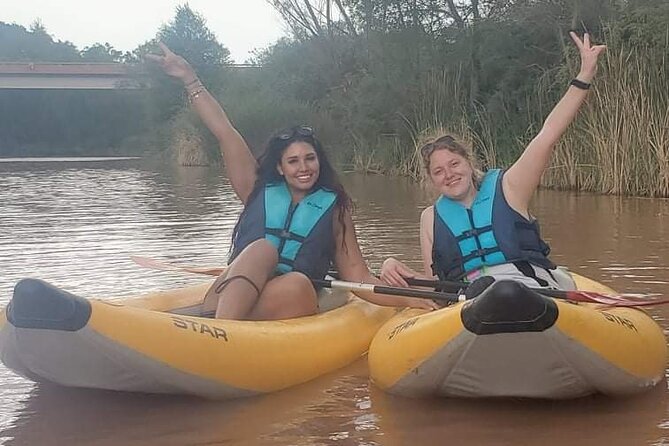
point(489, 233)
point(302, 232)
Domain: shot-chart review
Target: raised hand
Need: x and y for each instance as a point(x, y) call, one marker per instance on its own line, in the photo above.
point(589, 54)
point(173, 64)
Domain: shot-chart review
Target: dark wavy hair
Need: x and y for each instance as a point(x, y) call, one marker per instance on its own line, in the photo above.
point(267, 172)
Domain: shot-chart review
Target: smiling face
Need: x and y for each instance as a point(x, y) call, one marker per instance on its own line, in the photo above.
point(300, 168)
point(452, 176)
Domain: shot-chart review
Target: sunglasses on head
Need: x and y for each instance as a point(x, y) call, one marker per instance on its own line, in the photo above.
point(302, 130)
point(428, 148)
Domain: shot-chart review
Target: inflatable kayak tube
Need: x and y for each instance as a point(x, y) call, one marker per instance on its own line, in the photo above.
point(512, 342)
point(156, 343)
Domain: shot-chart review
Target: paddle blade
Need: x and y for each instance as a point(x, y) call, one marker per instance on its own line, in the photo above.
point(148, 262)
point(613, 300)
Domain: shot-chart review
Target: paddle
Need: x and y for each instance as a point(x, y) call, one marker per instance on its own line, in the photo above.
point(148, 262)
point(577, 296)
point(334, 284)
point(573, 295)
point(393, 291)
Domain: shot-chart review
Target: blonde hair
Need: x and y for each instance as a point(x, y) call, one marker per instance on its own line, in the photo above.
point(454, 145)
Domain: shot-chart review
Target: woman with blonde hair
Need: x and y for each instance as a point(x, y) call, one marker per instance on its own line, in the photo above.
point(481, 225)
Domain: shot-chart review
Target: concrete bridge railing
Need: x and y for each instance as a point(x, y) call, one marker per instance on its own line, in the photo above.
point(66, 75)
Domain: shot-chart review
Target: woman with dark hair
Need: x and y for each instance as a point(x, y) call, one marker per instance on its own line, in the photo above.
point(296, 219)
point(481, 225)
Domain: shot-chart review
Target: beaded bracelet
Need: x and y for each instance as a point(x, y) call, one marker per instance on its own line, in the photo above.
point(193, 95)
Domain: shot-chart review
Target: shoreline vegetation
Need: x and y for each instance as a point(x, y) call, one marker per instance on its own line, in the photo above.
point(374, 78)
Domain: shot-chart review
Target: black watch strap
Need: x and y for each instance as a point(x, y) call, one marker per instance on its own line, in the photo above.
point(580, 84)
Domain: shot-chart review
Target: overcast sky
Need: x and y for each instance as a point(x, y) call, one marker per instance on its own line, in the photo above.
point(240, 25)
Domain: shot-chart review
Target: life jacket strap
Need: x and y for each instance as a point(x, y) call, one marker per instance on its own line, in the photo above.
point(474, 232)
point(527, 270)
point(285, 234)
point(480, 253)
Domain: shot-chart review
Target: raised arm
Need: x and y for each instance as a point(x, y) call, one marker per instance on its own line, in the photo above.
point(523, 177)
point(352, 268)
point(239, 161)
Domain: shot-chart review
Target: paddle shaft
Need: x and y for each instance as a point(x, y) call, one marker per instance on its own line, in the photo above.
point(574, 295)
point(457, 286)
point(451, 296)
point(444, 285)
point(335, 284)
point(392, 291)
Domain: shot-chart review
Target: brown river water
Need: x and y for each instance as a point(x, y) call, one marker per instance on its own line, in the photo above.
point(75, 224)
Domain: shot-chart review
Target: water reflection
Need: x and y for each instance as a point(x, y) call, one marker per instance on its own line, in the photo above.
point(587, 421)
point(323, 411)
point(71, 225)
point(77, 224)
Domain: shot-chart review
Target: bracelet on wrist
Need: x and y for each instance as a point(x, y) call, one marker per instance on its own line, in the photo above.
point(193, 95)
point(580, 84)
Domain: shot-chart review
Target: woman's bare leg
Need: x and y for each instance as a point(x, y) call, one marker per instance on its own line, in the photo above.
point(233, 294)
point(285, 297)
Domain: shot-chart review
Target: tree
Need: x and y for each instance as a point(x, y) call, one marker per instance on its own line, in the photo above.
point(187, 34)
point(101, 53)
point(315, 18)
point(20, 44)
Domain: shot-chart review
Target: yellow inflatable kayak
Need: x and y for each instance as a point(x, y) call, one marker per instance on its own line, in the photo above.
point(512, 342)
point(156, 343)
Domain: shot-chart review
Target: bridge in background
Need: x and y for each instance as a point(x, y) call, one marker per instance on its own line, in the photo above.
point(78, 76)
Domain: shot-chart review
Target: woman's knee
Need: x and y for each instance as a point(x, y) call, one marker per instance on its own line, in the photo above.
point(264, 248)
point(297, 282)
point(259, 253)
point(288, 296)
point(302, 293)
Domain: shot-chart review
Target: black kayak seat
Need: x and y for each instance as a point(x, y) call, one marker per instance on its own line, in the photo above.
point(508, 306)
point(37, 304)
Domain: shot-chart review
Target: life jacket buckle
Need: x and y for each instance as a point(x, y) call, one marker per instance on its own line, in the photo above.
point(481, 252)
point(471, 232)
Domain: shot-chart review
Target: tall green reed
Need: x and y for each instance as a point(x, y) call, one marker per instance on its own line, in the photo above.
point(620, 142)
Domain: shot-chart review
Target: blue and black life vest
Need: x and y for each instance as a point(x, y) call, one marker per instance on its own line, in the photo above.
point(302, 233)
point(489, 233)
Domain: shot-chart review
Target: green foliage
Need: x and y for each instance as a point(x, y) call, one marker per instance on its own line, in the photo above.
point(492, 69)
point(67, 122)
point(373, 77)
point(101, 53)
point(97, 122)
point(188, 36)
point(63, 122)
point(620, 143)
point(20, 44)
point(258, 110)
point(644, 27)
